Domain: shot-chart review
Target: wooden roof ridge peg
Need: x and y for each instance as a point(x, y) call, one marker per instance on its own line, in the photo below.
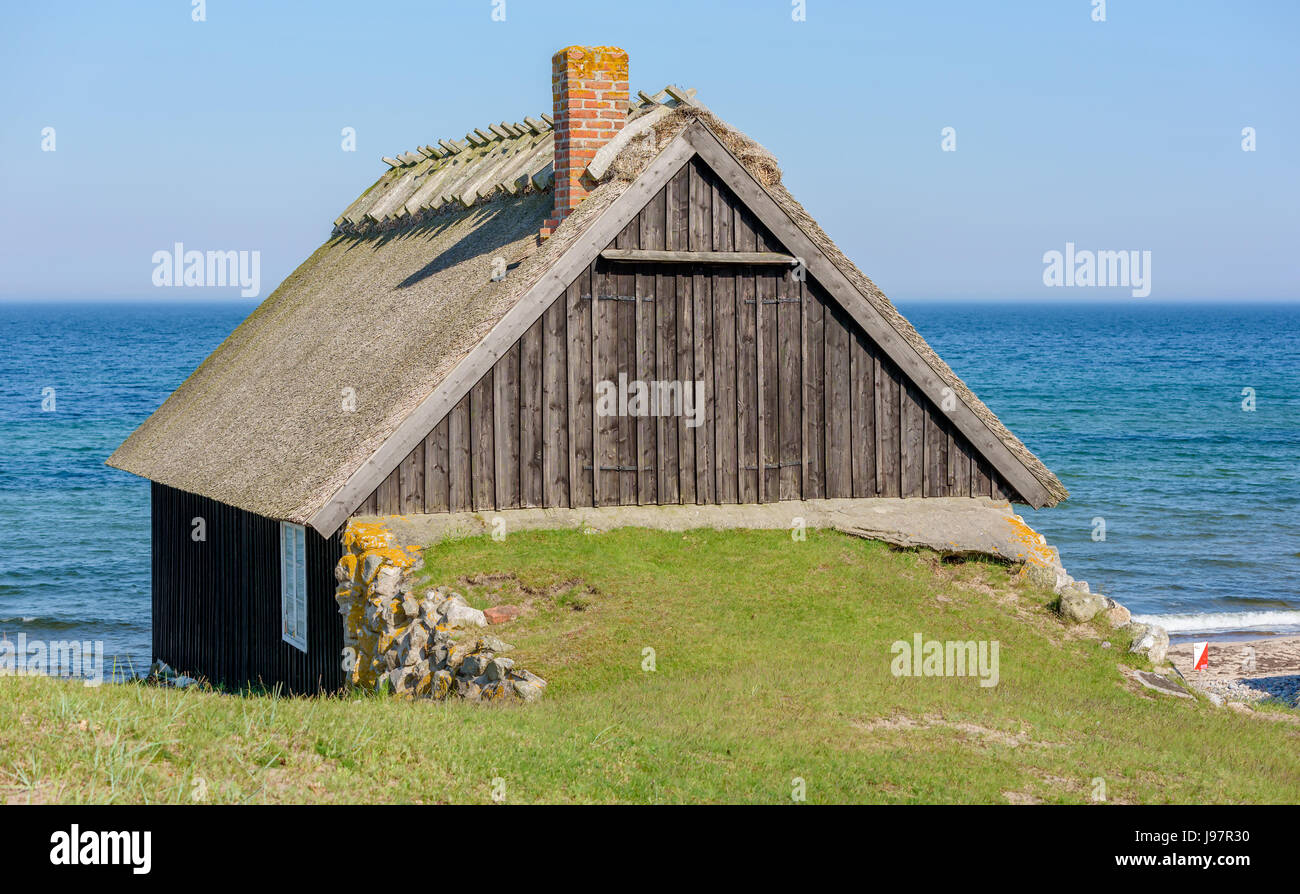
point(534, 125)
point(683, 97)
point(550, 121)
point(544, 177)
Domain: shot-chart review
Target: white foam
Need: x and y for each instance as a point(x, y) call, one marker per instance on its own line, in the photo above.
point(1224, 622)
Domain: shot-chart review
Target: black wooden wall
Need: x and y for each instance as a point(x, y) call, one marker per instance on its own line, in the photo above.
point(800, 403)
point(216, 603)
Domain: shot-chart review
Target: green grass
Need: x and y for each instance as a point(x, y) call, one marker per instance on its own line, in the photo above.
point(772, 661)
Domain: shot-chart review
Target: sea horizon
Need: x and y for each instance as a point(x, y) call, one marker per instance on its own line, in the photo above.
point(1137, 405)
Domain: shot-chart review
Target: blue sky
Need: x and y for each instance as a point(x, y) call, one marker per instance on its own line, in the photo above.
point(1118, 135)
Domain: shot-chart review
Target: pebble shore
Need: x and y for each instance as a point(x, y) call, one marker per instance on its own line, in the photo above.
point(1251, 671)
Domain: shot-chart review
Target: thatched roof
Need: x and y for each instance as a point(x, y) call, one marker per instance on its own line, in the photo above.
point(397, 297)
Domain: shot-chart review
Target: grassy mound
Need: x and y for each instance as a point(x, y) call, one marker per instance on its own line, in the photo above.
point(771, 675)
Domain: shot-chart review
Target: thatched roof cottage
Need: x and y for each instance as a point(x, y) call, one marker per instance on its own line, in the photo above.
point(617, 303)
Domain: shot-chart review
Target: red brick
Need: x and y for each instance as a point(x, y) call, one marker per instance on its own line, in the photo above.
point(589, 89)
point(500, 614)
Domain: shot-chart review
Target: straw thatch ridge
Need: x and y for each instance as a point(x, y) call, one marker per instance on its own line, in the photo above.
point(389, 311)
point(499, 161)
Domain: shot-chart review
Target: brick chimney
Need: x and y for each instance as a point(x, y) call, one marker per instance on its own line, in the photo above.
point(589, 89)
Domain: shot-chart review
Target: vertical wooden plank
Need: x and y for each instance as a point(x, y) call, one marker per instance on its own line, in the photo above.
point(864, 416)
point(950, 453)
point(626, 312)
point(505, 409)
point(605, 338)
point(839, 410)
point(460, 482)
point(789, 313)
point(410, 481)
point(701, 239)
point(679, 198)
point(482, 452)
point(437, 495)
point(666, 359)
point(980, 485)
point(814, 395)
point(935, 470)
point(955, 488)
point(678, 209)
point(747, 367)
point(702, 393)
point(555, 405)
point(723, 289)
point(647, 370)
point(769, 373)
point(724, 204)
point(999, 487)
point(724, 383)
point(531, 434)
point(960, 458)
point(653, 224)
point(928, 453)
point(888, 426)
point(581, 449)
point(390, 499)
point(370, 505)
point(687, 374)
point(912, 444)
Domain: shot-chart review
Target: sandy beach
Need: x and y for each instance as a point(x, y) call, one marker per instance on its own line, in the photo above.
point(1250, 670)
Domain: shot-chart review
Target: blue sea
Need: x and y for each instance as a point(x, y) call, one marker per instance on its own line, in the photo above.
point(1137, 407)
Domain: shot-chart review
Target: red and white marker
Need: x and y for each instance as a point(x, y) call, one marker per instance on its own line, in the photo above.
point(1200, 656)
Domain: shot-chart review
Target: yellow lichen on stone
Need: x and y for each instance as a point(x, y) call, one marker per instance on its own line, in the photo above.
point(356, 619)
point(365, 673)
point(1034, 545)
point(349, 564)
point(367, 536)
point(366, 642)
point(386, 641)
point(390, 554)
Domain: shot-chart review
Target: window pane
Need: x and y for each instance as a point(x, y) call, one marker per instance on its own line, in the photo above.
point(293, 584)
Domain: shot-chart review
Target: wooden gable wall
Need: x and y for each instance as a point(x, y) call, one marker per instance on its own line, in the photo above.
point(799, 402)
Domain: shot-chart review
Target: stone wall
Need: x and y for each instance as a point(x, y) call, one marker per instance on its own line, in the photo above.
point(432, 646)
point(1078, 604)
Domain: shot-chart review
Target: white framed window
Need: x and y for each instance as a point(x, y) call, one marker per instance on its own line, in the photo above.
point(293, 585)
